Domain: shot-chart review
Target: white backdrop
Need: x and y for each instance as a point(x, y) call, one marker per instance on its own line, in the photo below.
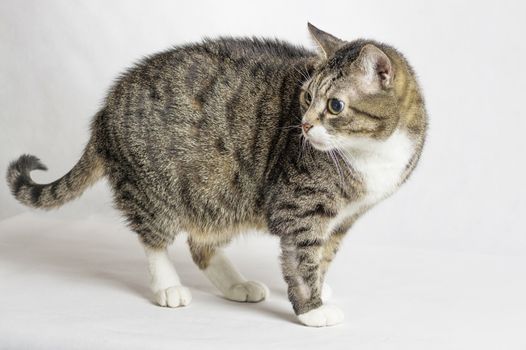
point(57, 58)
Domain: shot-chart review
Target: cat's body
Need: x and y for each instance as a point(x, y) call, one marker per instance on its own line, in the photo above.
point(206, 139)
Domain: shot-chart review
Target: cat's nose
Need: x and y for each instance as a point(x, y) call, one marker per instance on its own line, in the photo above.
point(306, 126)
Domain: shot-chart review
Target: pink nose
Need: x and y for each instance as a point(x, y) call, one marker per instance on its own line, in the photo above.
point(306, 127)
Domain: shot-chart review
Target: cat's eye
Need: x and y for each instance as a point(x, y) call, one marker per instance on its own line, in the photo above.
point(307, 97)
point(335, 106)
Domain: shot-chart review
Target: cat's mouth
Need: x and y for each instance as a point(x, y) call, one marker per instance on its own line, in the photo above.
point(319, 138)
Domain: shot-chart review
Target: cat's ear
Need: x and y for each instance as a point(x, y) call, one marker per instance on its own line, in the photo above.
point(327, 43)
point(375, 65)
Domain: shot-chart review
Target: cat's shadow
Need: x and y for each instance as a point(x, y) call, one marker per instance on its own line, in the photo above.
point(67, 259)
point(111, 265)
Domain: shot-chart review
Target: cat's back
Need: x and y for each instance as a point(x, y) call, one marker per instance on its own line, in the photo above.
point(258, 49)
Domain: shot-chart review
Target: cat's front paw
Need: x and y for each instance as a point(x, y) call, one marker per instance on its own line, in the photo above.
point(325, 315)
point(249, 291)
point(175, 296)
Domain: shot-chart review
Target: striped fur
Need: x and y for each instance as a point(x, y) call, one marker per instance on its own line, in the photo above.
point(205, 138)
point(86, 172)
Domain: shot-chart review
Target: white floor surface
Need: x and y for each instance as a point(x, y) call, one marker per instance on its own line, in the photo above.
point(84, 285)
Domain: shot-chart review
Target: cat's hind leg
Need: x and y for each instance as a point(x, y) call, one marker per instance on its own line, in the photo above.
point(156, 232)
point(224, 275)
point(164, 282)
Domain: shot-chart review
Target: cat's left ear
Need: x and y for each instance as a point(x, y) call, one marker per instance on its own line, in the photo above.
point(376, 66)
point(327, 43)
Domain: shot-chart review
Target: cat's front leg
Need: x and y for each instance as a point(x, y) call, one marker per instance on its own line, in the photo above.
point(302, 266)
point(330, 248)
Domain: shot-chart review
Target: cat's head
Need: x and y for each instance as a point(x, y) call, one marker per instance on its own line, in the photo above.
point(350, 97)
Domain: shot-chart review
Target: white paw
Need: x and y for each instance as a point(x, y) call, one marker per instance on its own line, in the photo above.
point(325, 315)
point(326, 292)
point(173, 296)
point(249, 291)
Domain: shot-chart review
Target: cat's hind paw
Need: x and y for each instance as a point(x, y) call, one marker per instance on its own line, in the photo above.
point(175, 296)
point(249, 291)
point(325, 315)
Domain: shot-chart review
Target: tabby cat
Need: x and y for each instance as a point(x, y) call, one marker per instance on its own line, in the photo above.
point(229, 135)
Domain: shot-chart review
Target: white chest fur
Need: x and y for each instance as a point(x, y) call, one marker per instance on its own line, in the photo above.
point(381, 165)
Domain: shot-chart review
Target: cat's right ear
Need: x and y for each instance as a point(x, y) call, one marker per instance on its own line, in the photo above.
point(327, 44)
point(375, 66)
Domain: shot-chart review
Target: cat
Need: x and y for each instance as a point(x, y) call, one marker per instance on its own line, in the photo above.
point(229, 135)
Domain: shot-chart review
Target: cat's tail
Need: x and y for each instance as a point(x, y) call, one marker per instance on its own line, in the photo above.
point(85, 173)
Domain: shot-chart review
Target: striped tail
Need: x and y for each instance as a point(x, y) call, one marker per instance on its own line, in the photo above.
point(53, 195)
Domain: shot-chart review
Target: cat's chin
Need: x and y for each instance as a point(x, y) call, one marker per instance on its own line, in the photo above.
point(320, 146)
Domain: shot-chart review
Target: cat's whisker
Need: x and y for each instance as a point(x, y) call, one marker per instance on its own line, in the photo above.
point(338, 169)
point(335, 152)
point(345, 156)
point(303, 75)
point(302, 146)
point(348, 163)
point(306, 145)
point(307, 149)
point(291, 127)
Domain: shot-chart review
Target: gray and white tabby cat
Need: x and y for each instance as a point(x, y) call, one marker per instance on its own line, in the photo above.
point(230, 135)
